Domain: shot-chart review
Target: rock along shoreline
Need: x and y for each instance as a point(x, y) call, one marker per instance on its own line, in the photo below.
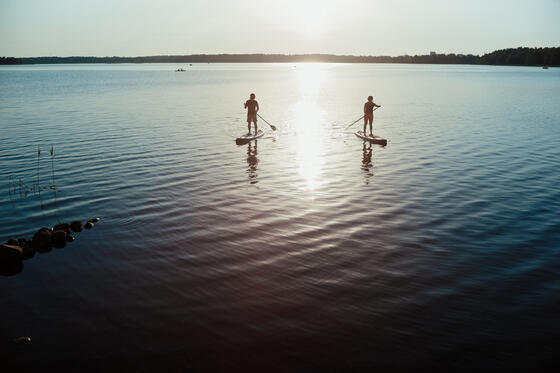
point(15, 251)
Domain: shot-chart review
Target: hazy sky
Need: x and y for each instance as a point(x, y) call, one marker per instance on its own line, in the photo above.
point(367, 27)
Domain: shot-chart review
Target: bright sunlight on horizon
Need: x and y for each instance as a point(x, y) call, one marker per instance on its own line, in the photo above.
point(172, 27)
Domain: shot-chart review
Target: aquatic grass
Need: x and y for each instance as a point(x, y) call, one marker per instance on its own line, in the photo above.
point(53, 186)
point(38, 179)
point(18, 187)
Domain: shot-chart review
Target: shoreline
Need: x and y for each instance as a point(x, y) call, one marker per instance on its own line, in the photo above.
point(273, 62)
point(549, 56)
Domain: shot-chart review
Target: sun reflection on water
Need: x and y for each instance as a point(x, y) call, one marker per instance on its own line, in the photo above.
point(311, 77)
point(308, 122)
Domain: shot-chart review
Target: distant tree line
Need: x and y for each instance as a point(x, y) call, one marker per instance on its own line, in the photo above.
point(513, 56)
point(10, 61)
point(224, 58)
point(523, 56)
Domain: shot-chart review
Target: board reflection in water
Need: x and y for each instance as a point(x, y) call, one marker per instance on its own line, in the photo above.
point(252, 162)
point(367, 165)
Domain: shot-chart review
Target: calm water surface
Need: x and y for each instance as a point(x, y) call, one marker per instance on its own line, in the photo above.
point(306, 250)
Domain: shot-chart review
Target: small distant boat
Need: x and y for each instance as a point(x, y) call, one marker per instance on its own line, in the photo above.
point(180, 70)
point(545, 67)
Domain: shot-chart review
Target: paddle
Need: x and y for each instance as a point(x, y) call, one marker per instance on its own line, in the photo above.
point(271, 126)
point(354, 122)
point(358, 119)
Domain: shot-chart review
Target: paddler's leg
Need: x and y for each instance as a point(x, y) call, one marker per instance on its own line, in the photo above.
point(248, 124)
point(255, 122)
point(371, 125)
point(365, 124)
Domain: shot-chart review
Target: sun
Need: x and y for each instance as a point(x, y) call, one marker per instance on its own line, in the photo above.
point(312, 25)
point(311, 15)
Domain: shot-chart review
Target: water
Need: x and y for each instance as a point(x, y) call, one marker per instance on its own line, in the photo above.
point(306, 250)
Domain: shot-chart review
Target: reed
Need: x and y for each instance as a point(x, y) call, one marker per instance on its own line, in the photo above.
point(38, 177)
point(53, 186)
point(38, 160)
point(18, 188)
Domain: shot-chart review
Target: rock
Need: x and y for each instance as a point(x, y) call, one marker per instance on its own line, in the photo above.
point(10, 253)
point(42, 240)
point(94, 220)
point(88, 225)
point(59, 239)
point(22, 242)
point(13, 242)
point(69, 237)
point(27, 251)
point(76, 226)
point(61, 227)
point(20, 340)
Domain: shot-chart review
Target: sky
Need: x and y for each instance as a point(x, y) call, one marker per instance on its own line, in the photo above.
point(30, 28)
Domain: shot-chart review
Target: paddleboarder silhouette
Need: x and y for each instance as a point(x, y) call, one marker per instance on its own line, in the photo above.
point(252, 107)
point(368, 114)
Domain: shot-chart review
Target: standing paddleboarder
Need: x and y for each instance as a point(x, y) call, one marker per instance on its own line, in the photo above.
point(252, 107)
point(368, 114)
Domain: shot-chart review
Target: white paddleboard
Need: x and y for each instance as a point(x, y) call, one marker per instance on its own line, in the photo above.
point(374, 138)
point(260, 133)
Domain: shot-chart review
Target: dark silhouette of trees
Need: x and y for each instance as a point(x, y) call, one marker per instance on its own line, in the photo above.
point(233, 58)
point(513, 56)
point(523, 57)
point(10, 61)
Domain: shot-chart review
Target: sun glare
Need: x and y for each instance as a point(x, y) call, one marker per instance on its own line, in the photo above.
point(311, 15)
point(308, 118)
point(311, 77)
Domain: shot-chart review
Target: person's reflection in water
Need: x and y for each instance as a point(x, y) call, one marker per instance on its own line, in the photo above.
point(252, 161)
point(367, 166)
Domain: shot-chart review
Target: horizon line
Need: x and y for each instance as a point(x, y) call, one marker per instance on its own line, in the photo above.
point(280, 54)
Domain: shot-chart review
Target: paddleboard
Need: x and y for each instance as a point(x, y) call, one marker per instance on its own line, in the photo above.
point(247, 137)
point(375, 139)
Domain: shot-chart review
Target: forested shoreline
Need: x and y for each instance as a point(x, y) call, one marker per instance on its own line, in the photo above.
point(512, 56)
